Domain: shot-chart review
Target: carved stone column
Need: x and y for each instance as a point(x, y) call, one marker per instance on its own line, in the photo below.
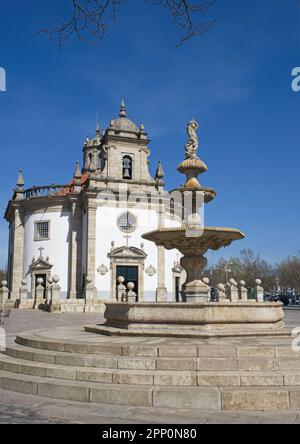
point(17, 262)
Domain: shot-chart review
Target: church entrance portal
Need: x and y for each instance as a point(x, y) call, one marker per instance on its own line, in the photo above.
point(130, 274)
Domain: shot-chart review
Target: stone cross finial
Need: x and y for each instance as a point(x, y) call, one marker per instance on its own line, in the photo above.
point(160, 174)
point(19, 191)
point(123, 109)
point(20, 182)
point(77, 172)
point(41, 249)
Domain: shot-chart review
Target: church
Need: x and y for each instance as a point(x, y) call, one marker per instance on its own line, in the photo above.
point(88, 232)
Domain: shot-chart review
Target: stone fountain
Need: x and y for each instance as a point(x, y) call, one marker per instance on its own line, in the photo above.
point(196, 316)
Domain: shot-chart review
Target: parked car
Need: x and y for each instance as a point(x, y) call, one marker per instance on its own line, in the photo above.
point(286, 300)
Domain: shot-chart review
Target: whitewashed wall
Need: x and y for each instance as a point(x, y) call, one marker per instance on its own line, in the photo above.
point(108, 231)
point(57, 248)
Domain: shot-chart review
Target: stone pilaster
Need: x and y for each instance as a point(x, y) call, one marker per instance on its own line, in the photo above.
point(17, 260)
point(91, 241)
point(161, 291)
point(75, 266)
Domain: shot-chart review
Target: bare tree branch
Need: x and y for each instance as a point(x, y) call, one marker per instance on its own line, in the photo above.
point(89, 19)
point(188, 16)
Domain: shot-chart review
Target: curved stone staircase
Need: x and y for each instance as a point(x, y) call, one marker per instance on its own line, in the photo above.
point(241, 374)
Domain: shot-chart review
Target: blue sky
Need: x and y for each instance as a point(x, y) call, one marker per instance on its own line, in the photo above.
point(236, 82)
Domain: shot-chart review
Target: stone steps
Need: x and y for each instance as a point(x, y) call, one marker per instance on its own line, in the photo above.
point(147, 377)
point(160, 363)
point(121, 347)
point(232, 375)
point(204, 398)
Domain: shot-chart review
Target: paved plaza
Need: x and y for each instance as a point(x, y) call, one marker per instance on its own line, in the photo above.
point(22, 409)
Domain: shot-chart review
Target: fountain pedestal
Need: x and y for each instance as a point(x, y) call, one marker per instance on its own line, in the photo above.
point(194, 290)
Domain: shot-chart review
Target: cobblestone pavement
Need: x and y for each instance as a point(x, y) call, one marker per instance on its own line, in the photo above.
point(16, 408)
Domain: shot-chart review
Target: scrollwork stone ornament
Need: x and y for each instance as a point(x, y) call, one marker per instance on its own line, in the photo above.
point(102, 270)
point(151, 271)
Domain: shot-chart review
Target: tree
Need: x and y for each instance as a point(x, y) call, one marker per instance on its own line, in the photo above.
point(90, 19)
point(248, 267)
point(289, 274)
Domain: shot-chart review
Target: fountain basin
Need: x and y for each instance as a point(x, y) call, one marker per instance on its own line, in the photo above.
point(212, 238)
point(193, 320)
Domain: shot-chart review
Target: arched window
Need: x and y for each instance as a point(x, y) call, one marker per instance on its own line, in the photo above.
point(127, 167)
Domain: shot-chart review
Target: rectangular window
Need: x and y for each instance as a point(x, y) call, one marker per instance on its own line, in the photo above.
point(42, 231)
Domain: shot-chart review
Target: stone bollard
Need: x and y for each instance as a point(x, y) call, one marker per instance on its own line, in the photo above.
point(259, 291)
point(4, 293)
point(206, 281)
point(48, 290)
point(89, 291)
point(55, 304)
point(39, 294)
point(121, 290)
point(233, 291)
point(221, 293)
point(243, 291)
point(131, 295)
point(23, 294)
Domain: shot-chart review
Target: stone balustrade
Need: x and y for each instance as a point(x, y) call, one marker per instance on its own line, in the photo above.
point(47, 190)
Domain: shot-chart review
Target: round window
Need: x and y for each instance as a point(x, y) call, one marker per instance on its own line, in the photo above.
point(127, 222)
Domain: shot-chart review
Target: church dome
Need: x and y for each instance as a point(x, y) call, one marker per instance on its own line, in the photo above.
point(123, 123)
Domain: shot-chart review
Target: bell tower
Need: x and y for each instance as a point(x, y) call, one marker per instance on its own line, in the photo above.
point(119, 155)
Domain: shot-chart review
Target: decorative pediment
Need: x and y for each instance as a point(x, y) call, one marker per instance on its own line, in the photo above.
point(40, 264)
point(127, 252)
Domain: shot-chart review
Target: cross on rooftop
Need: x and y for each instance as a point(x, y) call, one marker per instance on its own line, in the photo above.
point(41, 249)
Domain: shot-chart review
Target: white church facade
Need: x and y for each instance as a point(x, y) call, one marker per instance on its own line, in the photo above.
point(88, 232)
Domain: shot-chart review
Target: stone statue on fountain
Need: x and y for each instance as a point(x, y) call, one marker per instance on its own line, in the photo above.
point(193, 143)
